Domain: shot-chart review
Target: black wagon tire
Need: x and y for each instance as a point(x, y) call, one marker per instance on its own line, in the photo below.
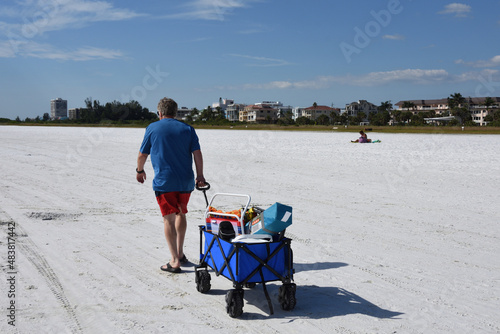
point(287, 296)
point(202, 281)
point(234, 303)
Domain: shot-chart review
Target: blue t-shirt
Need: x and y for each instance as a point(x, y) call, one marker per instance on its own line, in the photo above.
point(171, 144)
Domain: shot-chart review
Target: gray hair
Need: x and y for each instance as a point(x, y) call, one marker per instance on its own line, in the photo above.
point(167, 107)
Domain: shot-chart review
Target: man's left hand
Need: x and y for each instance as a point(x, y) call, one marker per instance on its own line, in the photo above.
point(141, 177)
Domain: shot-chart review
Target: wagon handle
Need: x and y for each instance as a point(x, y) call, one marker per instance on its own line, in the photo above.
point(204, 189)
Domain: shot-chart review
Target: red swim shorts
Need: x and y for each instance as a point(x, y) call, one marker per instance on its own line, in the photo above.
point(173, 202)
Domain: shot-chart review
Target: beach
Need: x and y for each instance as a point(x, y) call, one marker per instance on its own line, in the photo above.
point(400, 236)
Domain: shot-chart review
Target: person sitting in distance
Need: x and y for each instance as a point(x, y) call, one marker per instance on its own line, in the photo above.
point(362, 139)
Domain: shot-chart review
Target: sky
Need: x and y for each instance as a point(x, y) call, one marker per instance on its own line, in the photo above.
point(196, 51)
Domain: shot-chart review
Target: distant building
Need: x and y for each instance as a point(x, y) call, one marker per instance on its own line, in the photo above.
point(475, 105)
point(285, 112)
point(58, 108)
point(258, 114)
point(479, 111)
point(314, 112)
point(272, 104)
point(74, 113)
point(233, 112)
point(222, 104)
point(298, 112)
point(182, 113)
point(281, 110)
point(440, 106)
point(354, 108)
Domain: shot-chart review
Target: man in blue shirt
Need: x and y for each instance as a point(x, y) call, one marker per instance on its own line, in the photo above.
point(172, 145)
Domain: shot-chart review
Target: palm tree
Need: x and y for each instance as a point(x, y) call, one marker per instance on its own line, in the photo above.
point(396, 114)
point(458, 106)
point(360, 117)
point(195, 113)
point(219, 113)
point(455, 101)
point(323, 120)
point(488, 102)
point(385, 106)
point(334, 117)
point(207, 114)
point(408, 105)
point(313, 111)
point(406, 116)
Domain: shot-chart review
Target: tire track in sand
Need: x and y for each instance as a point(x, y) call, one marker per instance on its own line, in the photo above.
point(33, 254)
point(204, 310)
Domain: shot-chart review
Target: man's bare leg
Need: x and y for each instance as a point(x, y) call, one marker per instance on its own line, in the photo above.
point(180, 227)
point(171, 235)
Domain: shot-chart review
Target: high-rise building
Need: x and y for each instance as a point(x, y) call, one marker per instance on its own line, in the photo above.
point(74, 113)
point(58, 108)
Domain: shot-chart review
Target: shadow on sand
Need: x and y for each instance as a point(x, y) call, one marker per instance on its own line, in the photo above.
point(313, 302)
point(317, 266)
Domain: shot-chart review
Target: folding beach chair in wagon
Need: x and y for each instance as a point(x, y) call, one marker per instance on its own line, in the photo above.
point(246, 251)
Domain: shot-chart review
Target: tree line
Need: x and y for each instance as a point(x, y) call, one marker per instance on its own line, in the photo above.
point(458, 107)
point(456, 102)
point(114, 112)
point(110, 113)
point(133, 113)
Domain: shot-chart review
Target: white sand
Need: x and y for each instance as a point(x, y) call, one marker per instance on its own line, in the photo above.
point(396, 237)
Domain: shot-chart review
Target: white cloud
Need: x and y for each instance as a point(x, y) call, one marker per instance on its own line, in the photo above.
point(410, 76)
point(488, 79)
point(394, 37)
point(262, 61)
point(418, 76)
point(33, 49)
point(251, 31)
point(458, 9)
point(43, 16)
point(37, 17)
point(91, 53)
point(493, 62)
point(209, 9)
point(7, 49)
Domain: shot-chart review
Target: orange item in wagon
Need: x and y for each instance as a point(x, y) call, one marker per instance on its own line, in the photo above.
point(233, 212)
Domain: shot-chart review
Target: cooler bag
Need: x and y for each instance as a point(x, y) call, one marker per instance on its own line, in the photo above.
point(272, 221)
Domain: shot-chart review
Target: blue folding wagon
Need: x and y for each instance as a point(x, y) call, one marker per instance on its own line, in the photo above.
point(246, 262)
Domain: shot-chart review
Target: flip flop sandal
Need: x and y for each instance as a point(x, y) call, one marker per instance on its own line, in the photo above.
point(170, 269)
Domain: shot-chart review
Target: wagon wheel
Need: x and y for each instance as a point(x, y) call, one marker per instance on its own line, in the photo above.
point(202, 280)
point(287, 296)
point(234, 302)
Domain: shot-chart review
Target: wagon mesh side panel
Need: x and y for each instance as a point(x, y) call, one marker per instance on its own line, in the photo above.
point(242, 264)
